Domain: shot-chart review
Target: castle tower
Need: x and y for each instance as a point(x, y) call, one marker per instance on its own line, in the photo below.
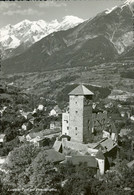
point(80, 114)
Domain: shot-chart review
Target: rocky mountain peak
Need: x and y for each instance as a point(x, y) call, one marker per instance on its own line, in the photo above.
point(28, 32)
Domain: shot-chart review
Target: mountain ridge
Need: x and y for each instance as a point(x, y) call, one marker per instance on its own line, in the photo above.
point(28, 32)
point(101, 39)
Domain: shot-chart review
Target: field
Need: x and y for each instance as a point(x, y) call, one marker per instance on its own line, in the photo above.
point(50, 83)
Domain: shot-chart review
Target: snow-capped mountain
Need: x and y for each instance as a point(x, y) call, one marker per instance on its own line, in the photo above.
point(107, 37)
point(120, 27)
point(28, 32)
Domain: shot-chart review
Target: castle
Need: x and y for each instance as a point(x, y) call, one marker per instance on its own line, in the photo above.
point(82, 122)
point(79, 125)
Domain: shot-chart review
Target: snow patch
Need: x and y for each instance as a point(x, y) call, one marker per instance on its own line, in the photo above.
point(108, 11)
point(11, 36)
point(15, 42)
point(130, 3)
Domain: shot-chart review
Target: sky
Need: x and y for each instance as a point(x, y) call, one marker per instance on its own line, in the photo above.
point(12, 12)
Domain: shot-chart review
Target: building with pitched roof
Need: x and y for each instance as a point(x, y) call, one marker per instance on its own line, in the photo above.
point(55, 125)
point(58, 146)
point(56, 111)
point(107, 145)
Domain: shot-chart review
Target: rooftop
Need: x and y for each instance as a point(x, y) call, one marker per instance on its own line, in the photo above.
point(81, 90)
point(54, 156)
point(57, 145)
point(108, 144)
point(130, 164)
point(76, 160)
point(57, 109)
point(100, 155)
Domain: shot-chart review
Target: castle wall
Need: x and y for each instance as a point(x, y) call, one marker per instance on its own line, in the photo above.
point(101, 163)
point(87, 123)
point(65, 123)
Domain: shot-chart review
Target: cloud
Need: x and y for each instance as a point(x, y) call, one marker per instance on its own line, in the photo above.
point(46, 4)
point(8, 5)
point(14, 8)
point(22, 12)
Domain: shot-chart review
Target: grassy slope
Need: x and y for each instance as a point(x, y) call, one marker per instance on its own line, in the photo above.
point(50, 83)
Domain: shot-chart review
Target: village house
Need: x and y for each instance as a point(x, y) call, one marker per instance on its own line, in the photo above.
point(110, 131)
point(2, 160)
point(39, 138)
point(2, 139)
point(55, 125)
point(40, 107)
point(109, 149)
point(125, 111)
point(26, 115)
point(107, 145)
point(132, 118)
point(22, 139)
point(2, 110)
point(109, 105)
point(124, 132)
point(56, 111)
point(27, 126)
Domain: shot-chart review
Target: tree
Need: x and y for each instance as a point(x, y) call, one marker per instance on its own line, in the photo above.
point(43, 174)
point(80, 176)
point(18, 161)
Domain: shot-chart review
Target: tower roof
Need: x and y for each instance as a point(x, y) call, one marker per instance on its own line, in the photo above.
point(100, 155)
point(81, 90)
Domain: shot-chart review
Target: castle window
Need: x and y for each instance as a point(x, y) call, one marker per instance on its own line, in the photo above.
point(75, 128)
point(76, 111)
point(67, 128)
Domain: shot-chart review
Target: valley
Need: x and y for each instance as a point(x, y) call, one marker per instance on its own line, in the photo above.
point(50, 83)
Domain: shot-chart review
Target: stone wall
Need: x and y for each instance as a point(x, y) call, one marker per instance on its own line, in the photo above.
point(76, 118)
point(87, 123)
point(65, 123)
